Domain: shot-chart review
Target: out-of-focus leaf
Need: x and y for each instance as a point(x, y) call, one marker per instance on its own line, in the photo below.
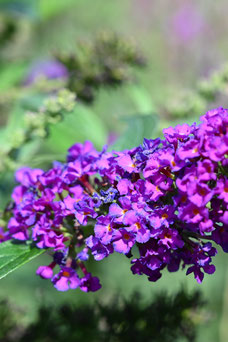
point(49, 8)
point(16, 117)
point(141, 98)
point(15, 122)
point(32, 102)
point(7, 184)
point(14, 255)
point(138, 128)
point(11, 74)
point(25, 7)
point(83, 124)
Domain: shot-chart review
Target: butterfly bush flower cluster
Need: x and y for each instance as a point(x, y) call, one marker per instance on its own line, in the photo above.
point(161, 204)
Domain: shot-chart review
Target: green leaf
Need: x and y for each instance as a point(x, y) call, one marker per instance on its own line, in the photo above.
point(83, 124)
point(138, 128)
point(141, 98)
point(11, 74)
point(52, 7)
point(14, 255)
point(15, 122)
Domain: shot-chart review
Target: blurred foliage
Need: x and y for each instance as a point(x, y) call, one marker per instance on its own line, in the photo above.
point(193, 104)
point(103, 62)
point(163, 319)
point(35, 125)
point(9, 316)
point(8, 27)
point(80, 125)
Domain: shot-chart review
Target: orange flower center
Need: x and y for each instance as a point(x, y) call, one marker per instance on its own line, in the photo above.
point(202, 192)
point(167, 236)
point(195, 150)
point(138, 225)
point(184, 199)
point(195, 211)
point(66, 274)
point(126, 236)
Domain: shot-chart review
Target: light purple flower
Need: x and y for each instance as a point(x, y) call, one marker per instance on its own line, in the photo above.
point(66, 279)
point(187, 22)
point(50, 69)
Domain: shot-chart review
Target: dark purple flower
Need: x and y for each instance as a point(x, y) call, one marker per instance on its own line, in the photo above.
point(4, 235)
point(98, 250)
point(89, 283)
point(109, 195)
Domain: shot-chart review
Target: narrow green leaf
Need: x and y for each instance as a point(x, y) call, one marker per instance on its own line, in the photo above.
point(14, 255)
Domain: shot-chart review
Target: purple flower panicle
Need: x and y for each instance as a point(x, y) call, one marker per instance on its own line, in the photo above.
point(166, 198)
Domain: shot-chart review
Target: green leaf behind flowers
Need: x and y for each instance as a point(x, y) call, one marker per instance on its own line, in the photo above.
point(14, 255)
point(138, 128)
point(83, 124)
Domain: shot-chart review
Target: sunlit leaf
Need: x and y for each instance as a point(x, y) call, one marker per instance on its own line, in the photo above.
point(14, 255)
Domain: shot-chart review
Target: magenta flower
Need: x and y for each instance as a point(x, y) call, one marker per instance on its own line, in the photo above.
point(45, 272)
point(126, 163)
point(189, 150)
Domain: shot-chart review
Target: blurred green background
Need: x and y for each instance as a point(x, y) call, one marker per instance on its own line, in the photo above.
point(182, 41)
